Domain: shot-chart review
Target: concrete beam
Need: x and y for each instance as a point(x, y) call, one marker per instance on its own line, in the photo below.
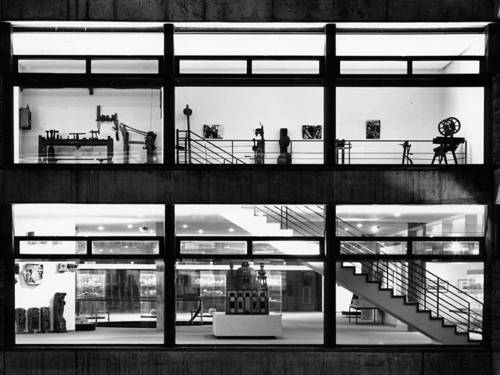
point(366, 185)
point(252, 11)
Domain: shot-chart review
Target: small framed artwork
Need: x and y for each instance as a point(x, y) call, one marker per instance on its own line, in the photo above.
point(311, 131)
point(212, 131)
point(373, 129)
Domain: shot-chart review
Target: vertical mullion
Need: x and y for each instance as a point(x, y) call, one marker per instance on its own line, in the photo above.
point(7, 90)
point(169, 276)
point(168, 95)
point(329, 323)
point(8, 263)
point(329, 101)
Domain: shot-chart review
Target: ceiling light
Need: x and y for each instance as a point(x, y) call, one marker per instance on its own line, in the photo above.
point(100, 227)
point(185, 226)
point(130, 226)
point(200, 231)
point(397, 214)
point(359, 225)
point(231, 230)
point(346, 229)
point(374, 228)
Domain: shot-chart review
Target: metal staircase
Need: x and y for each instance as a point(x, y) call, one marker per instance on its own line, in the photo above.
point(194, 149)
point(404, 289)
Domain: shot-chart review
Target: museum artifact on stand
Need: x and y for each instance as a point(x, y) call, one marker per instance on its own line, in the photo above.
point(33, 319)
point(58, 310)
point(285, 157)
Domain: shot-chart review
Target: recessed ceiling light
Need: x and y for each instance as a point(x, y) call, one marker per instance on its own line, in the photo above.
point(185, 226)
point(359, 225)
point(231, 230)
point(100, 227)
point(200, 231)
point(397, 214)
point(346, 229)
point(130, 226)
point(374, 228)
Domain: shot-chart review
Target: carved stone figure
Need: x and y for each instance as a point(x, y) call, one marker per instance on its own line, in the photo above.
point(20, 320)
point(285, 157)
point(58, 311)
point(45, 319)
point(33, 319)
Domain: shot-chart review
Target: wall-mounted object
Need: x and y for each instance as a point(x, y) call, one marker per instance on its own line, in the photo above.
point(33, 273)
point(311, 131)
point(372, 129)
point(212, 131)
point(66, 267)
point(25, 118)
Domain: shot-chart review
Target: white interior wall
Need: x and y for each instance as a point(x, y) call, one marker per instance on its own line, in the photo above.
point(74, 110)
point(240, 110)
point(410, 114)
point(467, 105)
point(42, 295)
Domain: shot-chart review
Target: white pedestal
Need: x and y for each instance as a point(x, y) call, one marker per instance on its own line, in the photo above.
point(246, 325)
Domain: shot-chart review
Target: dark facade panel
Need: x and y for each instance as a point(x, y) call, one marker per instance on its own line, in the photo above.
point(40, 362)
point(156, 362)
point(251, 11)
point(246, 186)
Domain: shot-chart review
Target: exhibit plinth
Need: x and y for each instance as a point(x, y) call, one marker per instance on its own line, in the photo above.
point(246, 325)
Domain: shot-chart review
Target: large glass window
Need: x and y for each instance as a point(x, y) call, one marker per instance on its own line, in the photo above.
point(249, 125)
point(249, 274)
point(410, 274)
point(410, 125)
point(88, 274)
point(98, 126)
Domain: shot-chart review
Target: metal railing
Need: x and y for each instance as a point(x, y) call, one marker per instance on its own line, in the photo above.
point(362, 151)
point(194, 149)
point(409, 279)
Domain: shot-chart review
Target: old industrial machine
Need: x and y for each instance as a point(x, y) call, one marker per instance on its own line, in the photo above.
point(447, 143)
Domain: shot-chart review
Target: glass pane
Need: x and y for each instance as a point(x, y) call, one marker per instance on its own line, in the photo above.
point(382, 295)
point(285, 248)
point(219, 136)
point(249, 44)
point(129, 129)
point(250, 303)
point(88, 220)
point(446, 67)
point(53, 247)
point(249, 220)
point(213, 247)
point(76, 302)
point(406, 125)
point(410, 220)
point(373, 67)
point(398, 44)
point(87, 43)
point(212, 67)
point(372, 247)
point(285, 67)
point(51, 66)
point(125, 247)
point(125, 66)
point(446, 248)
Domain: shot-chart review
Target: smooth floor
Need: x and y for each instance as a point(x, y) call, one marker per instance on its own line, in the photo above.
point(298, 329)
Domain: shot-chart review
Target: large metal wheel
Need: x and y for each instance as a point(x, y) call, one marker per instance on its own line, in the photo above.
point(449, 126)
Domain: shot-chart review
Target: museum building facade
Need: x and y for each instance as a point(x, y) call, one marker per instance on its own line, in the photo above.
point(302, 197)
